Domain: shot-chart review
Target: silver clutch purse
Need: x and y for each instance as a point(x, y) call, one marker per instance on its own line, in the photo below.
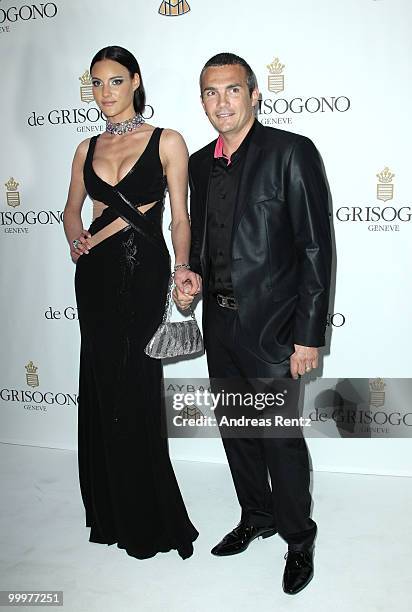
point(174, 339)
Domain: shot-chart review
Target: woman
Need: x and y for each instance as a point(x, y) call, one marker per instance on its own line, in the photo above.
point(127, 483)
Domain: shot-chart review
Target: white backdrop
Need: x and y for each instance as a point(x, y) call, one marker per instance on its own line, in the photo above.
point(342, 80)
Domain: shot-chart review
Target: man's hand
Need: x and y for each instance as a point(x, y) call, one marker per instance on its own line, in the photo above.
point(188, 284)
point(186, 278)
point(303, 360)
point(183, 299)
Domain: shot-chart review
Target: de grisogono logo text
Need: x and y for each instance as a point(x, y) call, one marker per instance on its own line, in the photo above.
point(369, 416)
point(56, 314)
point(35, 399)
point(87, 119)
point(335, 319)
point(16, 221)
point(378, 218)
point(282, 110)
point(9, 16)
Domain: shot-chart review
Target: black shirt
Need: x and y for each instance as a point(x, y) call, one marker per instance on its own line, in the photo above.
point(223, 188)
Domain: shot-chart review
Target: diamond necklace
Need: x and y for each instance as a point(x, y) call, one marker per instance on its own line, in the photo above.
point(124, 126)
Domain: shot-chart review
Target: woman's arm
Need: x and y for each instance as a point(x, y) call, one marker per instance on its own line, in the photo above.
point(174, 155)
point(173, 150)
point(72, 220)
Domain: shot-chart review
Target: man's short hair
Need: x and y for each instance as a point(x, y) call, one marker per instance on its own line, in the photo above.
point(230, 59)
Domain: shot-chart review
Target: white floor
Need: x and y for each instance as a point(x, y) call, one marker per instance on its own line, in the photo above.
point(362, 561)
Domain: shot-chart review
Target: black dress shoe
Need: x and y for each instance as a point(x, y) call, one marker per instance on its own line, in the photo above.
point(239, 539)
point(298, 570)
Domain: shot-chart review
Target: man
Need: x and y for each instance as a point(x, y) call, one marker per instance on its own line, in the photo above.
point(261, 242)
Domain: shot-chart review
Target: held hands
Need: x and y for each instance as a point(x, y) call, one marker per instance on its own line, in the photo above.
point(188, 284)
point(303, 360)
point(80, 245)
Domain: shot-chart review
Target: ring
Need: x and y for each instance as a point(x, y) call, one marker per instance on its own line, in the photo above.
point(76, 243)
point(308, 369)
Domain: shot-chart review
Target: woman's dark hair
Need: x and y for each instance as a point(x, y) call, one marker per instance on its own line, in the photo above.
point(128, 60)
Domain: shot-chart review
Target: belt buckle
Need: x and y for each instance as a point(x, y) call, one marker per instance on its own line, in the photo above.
point(226, 301)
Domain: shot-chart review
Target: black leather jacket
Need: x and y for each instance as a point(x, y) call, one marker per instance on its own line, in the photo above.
point(281, 241)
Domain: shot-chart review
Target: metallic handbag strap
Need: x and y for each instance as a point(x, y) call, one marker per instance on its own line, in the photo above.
point(169, 303)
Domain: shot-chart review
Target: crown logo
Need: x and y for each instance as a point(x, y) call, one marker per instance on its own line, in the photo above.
point(11, 184)
point(385, 176)
point(377, 392)
point(276, 80)
point(86, 78)
point(86, 87)
point(275, 67)
point(32, 378)
point(12, 195)
point(173, 8)
point(384, 189)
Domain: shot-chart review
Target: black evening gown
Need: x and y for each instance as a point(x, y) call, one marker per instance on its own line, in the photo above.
point(127, 483)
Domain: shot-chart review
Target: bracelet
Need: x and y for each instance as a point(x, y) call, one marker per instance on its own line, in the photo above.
point(185, 265)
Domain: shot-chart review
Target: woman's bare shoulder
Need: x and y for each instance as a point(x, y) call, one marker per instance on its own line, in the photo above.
point(82, 148)
point(81, 152)
point(172, 142)
point(172, 135)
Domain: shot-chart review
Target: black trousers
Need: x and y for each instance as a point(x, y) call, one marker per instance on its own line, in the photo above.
point(285, 501)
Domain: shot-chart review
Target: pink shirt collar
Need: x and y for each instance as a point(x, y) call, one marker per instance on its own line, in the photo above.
point(219, 150)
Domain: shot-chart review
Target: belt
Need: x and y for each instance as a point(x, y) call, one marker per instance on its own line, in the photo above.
point(226, 301)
